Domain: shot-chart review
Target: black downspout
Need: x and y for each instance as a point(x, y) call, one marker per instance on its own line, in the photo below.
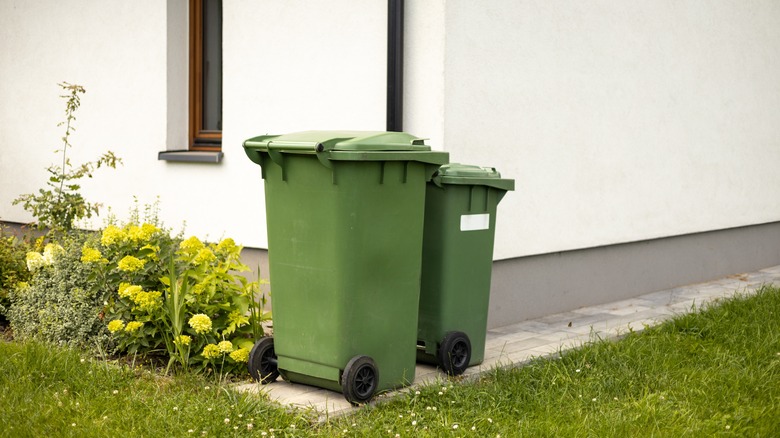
point(395, 64)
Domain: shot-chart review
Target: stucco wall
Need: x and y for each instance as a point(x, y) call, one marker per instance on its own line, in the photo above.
point(288, 66)
point(620, 121)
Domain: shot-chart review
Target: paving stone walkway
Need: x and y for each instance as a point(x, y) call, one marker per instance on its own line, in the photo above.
point(518, 343)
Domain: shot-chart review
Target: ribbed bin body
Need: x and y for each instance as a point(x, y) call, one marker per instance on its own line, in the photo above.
point(345, 228)
point(459, 232)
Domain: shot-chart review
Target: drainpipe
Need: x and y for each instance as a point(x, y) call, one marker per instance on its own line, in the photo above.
point(395, 64)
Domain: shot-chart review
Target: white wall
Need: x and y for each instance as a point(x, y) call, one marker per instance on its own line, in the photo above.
point(288, 66)
point(619, 120)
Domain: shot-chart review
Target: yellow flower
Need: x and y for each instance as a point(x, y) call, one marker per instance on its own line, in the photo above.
point(201, 323)
point(191, 246)
point(235, 317)
point(91, 255)
point(148, 230)
point(227, 246)
point(134, 233)
point(182, 340)
point(155, 251)
point(126, 290)
point(148, 301)
point(111, 235)
point(204, 256)
point(133, 326)
point(35, 261)
point(51, 251)
point(211, 351)
point(130, 264)
point(225, 346)
point(115, 325)
point(240, 355)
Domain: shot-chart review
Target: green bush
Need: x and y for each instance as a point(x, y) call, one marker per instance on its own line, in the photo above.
point(61, 303)
point(13, 268)
point(136, 289)
point(183, 298)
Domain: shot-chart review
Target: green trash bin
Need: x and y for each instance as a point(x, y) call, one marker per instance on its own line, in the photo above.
point(344, 213)
point(460, 221)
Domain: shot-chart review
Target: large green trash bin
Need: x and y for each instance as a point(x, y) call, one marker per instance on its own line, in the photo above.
point(460, 220)
point(344, 214)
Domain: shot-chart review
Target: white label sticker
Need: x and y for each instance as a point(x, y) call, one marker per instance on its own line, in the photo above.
point(473, 222)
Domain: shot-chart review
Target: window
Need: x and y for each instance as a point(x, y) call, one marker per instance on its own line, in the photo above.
point(205, 75)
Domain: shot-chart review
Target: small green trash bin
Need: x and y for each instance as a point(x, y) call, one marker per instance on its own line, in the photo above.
point(344, 214)
point(460, 220)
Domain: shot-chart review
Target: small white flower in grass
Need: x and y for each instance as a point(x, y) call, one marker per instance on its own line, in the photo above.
point(615, 398)
point(175, 408)
point(263, 433)
point(418, 392)
point(473, 427)
point(206, 388)
point(209, 409)
point(115, 392)
point(441, 393)
point(454, 426)
point(490, 420)
point(73, 424)
point(414, 422)
point(227, 420)
point(728, 427)
point(190, 431)
point(250, 426)
point(593, 399)
point(235, 427)
point(577, 370)
point(83, 360)
point(240, 415)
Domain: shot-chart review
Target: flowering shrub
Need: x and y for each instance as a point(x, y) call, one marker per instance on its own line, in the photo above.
point(60, 303)
point(13, 265)
point(183, 297)
point(136, 289)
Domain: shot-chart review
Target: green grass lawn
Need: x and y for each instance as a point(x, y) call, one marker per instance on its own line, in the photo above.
point(712, 372)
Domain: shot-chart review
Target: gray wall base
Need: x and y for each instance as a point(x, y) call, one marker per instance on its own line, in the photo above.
point(531, 287)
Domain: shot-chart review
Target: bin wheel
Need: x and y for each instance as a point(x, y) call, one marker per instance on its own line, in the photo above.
point(262, 361)
point(359, 380)
point(454, 353)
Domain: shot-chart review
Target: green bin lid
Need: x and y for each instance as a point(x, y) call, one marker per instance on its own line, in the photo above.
point(467, 174)
point(347, 145)
point(320, 141)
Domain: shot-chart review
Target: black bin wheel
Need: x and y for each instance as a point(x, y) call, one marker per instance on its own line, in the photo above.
point(454, 353)
point(359, 380)
point(262, 361)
